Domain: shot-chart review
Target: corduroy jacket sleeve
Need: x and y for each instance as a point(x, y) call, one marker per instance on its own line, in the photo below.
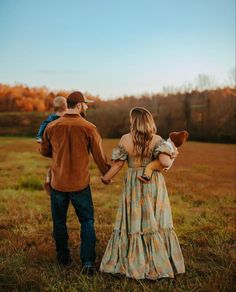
point(46, 147)
point(97, 151)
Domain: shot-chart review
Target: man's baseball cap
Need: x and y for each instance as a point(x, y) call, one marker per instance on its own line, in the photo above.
point(76, 97)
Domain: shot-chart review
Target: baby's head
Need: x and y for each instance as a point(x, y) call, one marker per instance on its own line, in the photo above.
point(59, 104)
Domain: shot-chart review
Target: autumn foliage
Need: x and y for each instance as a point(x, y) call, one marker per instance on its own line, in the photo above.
point(208, 115)
point(24, 99)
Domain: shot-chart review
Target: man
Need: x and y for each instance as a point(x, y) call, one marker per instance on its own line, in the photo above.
point(68, 141)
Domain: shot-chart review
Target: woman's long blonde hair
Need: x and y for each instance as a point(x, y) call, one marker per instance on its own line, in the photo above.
point(142, 129)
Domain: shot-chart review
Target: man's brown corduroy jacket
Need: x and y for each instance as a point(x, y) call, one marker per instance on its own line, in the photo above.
point(68, 141)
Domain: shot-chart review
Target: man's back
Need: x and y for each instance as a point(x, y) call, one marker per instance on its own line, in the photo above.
point(68, 140)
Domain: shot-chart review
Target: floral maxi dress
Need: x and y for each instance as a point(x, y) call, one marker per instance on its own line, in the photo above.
point(143, 243)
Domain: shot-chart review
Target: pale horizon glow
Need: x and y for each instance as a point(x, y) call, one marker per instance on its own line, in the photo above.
point(115, 48)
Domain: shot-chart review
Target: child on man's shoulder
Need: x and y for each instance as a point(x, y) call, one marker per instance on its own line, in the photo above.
point(59, 106)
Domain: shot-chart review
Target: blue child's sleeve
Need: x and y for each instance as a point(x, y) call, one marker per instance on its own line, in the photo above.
point(42, 129)
point(44, 124)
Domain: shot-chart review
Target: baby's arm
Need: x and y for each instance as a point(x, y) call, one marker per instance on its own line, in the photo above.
point(115, 168)
point(165, 160)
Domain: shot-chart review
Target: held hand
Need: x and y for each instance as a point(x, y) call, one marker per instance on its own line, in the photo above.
point(106, 182)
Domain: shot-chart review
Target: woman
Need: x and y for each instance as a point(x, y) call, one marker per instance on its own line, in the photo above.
point(143, 243)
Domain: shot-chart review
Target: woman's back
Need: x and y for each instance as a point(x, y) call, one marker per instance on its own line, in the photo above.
point(134, 159)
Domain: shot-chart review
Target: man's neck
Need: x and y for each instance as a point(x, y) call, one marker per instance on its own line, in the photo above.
point(72, 111)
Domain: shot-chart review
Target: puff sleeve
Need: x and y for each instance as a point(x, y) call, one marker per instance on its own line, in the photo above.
point(163, 146)
point(119, 153)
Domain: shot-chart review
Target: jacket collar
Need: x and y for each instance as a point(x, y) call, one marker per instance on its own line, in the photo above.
point(72, 115)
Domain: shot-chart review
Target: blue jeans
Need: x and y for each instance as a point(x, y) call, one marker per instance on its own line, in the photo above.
point(83, 205)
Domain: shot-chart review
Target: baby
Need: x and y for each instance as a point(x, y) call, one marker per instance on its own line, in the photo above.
point(166, 155)
point(59, 107)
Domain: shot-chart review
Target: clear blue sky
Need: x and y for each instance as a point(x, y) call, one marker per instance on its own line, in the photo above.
point(115, 47)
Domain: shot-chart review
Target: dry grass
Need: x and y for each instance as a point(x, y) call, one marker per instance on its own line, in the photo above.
point(202, 193)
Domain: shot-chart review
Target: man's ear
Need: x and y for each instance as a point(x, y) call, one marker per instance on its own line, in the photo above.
point(79, 106)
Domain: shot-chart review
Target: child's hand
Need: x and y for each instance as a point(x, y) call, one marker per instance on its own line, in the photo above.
point(47, 188)
point(106, 182)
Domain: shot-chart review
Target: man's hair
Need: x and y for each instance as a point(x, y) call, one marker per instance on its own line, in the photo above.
point(59, 104)
point(71, 105)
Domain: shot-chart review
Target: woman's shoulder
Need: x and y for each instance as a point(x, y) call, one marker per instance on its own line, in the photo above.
point(156, 142)
point(119, 152)
point(126, 135)
point(125, 138)
point(156, 138)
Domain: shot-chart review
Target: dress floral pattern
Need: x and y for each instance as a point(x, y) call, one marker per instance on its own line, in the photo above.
point(143, 243)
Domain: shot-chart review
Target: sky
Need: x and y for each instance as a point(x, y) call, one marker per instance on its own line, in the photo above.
point(113, 48)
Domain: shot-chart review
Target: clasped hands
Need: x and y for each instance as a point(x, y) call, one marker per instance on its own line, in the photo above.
point(106, 181)
point(115, 168)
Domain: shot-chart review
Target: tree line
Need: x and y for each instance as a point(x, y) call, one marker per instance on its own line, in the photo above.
point(208, 115)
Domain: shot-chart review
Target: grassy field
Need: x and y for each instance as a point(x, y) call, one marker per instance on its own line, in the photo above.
point(201, 188)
